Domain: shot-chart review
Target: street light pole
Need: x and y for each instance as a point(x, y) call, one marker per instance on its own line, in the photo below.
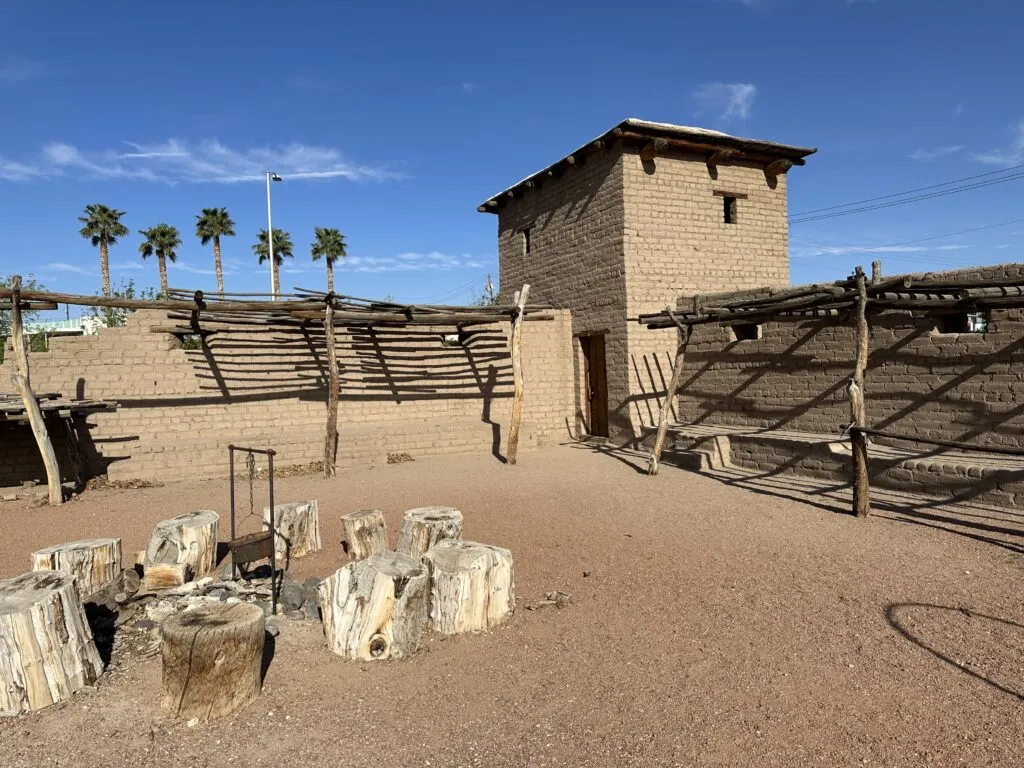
point(271, 176)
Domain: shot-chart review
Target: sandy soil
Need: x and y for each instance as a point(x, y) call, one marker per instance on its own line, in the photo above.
point(715, 621)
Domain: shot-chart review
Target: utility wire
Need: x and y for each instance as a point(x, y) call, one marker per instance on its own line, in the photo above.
point(909, 191)
point(904, 201)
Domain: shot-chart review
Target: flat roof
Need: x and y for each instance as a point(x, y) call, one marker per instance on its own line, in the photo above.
point(684, 136)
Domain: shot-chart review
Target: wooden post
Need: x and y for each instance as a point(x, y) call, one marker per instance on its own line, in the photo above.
point(858, 410)
point(331, 437)
point(472, 586)
point(666, 406)
point(22, 381)
point(376, 608)
point(517, 374)
point(48, 649)
point(876, 271)
point(212, 656)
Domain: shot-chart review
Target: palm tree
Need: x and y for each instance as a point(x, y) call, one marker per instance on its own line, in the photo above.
point(282, 250)
point(163, 240)
point(102, 225)
point(330, 244)
point(213, 224)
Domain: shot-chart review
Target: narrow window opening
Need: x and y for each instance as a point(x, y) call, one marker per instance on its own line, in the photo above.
point(744, 332)
point(962, 322)
point(526, 241)
point(729, 209)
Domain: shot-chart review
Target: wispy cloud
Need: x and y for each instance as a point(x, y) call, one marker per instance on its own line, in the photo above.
point(1010, 155)
point(432, 261)
point(468, 87)
point(728, 101)
point(61, 266)
point(959, 109)
point(934, 154)
point(14, 69)
point(952, 247)
point(842, 250)
point(175, 160)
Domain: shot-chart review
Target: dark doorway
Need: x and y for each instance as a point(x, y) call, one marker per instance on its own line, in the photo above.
point(595, 385)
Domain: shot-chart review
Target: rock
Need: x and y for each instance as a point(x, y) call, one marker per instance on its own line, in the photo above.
point(294, 615)
point(145, 624)
point(131, 581)
point(312, 584)
point(312, 609)
point(204, 582)
point(121, 598)
point(159, 611)
point(232, 600)
point(188, 588)
point(292, 596)
point(227, 570)
point(218, 594)
point(273, 630)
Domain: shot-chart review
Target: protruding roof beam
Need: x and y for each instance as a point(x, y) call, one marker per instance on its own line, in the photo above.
point(776, 167)
point(723, 155)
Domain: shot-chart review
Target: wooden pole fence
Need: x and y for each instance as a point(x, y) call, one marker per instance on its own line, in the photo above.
point(667, 403)
point(22, 380)
point(858, 411)
point(331, 438)
point(517, 373)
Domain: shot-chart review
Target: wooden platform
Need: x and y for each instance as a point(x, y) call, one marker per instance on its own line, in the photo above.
point(13, 409)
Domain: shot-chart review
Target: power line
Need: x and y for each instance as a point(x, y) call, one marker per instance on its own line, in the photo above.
point(961, 232)
point(909, 191)
point(918, 198)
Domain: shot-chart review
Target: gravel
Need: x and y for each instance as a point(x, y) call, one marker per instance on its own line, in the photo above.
point(722, 621)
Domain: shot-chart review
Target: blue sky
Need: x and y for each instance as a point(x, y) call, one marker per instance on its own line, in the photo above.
point(392, 122)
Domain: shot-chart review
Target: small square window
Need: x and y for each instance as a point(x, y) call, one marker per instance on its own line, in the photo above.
point(744, 332)
point(728, 209)
point(962, 322)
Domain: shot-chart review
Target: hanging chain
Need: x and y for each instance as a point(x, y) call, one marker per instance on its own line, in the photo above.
point(250, 464)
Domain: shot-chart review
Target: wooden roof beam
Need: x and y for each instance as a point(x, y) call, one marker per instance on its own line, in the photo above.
point(777, 167)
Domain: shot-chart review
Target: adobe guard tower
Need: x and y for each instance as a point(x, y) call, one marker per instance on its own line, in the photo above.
point(626, 224)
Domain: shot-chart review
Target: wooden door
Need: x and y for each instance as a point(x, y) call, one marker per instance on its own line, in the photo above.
point(595, 385)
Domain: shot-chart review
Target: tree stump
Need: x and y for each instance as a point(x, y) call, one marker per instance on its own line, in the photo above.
point(297, 529)
point(212, 659)
point(47, 653)
point(189, 540)
point(363, 533)
point(376, 608)
point(95, 563)
point(423, 527)
point(472, 586)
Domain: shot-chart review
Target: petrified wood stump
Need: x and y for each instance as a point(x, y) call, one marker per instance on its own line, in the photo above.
point(46, 648)
point(212, 657)
point(298, 529)
point(189, 540)
point(376, 608)
point(423, 527)
point(472, 586)
point(363, 533)
point(95, 563)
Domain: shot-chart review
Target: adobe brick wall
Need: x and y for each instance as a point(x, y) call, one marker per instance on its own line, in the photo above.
point(677, 243)
point(401, 391)
point(966, 387)
point(614, 237)
point(575, 262)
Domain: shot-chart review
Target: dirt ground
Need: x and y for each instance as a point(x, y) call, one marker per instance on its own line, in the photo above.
point(727, 620)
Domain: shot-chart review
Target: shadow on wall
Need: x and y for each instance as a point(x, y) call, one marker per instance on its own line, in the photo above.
point(394, 364)
point(795, 378)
